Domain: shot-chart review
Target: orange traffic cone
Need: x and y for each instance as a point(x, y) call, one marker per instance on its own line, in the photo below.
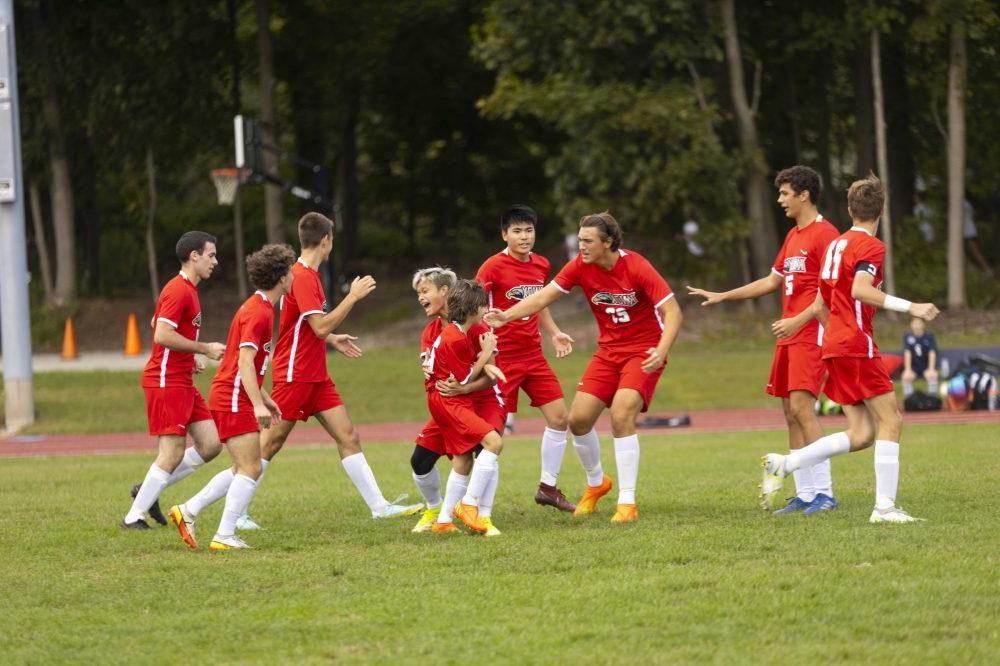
point(133, 346)
point(69, 341)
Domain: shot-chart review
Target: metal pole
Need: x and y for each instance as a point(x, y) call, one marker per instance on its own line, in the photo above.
point(19, 400)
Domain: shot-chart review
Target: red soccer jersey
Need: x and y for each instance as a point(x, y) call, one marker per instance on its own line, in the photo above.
point(179, 307)
point(624, 300)
point(509, 281)
point(451, 355)
point(299, 355)
point(428, 339)
point(849, 327)
point(799, 262)
point(252, 326)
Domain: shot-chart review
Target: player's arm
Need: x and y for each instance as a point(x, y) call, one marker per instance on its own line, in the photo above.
point(820, 310)
point(755, 289)
point(562, 342)
point(248, 377)
point(529, 306)
point(167, 336)
point(324, 325)
point(786, 328)
point(670, 313)
point(863, 289)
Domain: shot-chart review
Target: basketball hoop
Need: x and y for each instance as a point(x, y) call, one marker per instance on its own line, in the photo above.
point(227, 180)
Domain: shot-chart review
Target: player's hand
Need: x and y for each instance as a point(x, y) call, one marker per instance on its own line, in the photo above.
point(273, 408)
point(263, 415)
point(199, 365)
point(785, 328)
point(711, 297)
point(488, 342)
point(654, 360)
point(362, 286)
point(450, 387)
point(344, 343)
point(494, 373)
point(563, 344)
point(495, 318)
point(925, 311)
point(215, 350)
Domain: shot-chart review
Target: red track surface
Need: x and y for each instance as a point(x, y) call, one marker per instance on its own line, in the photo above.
point(729, 420)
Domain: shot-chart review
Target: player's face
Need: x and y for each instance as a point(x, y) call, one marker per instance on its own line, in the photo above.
point(478, 317)
point(592, 248)
point(286, 281)
point(790, 201)
point(432, 298)
point(204, 262)
point(520, 238)
point(917, 326)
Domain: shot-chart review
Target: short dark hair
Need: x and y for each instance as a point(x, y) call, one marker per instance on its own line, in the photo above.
point(465, 299)
point(866, 198)
point(192, 241)
point(312, 228)
point(269, 264)
point(518, 213)
point(606, 225)
point(801, 178)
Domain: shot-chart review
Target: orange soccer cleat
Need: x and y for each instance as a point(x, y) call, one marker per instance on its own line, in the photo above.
point(443, 528)
point(185, 527)
point(588, 502)
point(469, 515)
point(625, 513)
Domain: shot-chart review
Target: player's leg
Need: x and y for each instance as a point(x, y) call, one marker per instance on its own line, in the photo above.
point(486, 505)
point(818, 476)
point(458, 481)
point(931, 375)
point(273, 439)
point(583, 414)
point(553, 450)
point(423, 464)
point(888, 424)
point(626, 406)
point(245, 452)
point(805, 492)
point(169, 457)
point(485, 471)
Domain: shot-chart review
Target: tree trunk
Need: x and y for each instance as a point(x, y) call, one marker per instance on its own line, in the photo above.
point(268, 127)
point(61, 193)
point(864, 124)
point(956, 165)
point(38, 222)
point(347, 191)
point(154, 278)
point(883, 159)
point(829, 201)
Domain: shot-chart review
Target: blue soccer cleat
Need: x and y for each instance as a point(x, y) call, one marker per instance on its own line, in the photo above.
point(820, 503)
point(794, 505)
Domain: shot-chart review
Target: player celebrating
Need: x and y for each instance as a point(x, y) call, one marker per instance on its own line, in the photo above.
point(174, 406)
point(240, 408)
point(302, 386)
point(798, 366)
point(511, 276)
point(638, 319)
point(849, 287)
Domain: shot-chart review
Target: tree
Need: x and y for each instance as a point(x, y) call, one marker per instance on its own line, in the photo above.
point(956, 165)
point(273, 212)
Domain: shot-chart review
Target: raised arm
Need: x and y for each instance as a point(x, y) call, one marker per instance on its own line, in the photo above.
point(755, 289)
point(529, 306)
point(864, 290)
point(324, 325)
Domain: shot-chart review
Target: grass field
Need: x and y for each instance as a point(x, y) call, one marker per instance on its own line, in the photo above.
point(703, 576)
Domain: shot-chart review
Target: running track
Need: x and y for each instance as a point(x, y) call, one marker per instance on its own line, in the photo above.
point(730, 420)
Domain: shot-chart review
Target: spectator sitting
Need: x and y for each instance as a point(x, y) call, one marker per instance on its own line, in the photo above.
point(919, 357)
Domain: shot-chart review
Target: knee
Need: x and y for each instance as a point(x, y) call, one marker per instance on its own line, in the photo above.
point(579, 425)
point(789, 414)
point(559, 422)
point(931, 373)
point(251, 468)
point(350, 444)
point(622, 421)
point(909, 375)
point(422, 461)
point(493, 443)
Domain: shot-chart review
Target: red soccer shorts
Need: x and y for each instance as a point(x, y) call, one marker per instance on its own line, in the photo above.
point(300, 400)
point(609, 371)
point(232, 424)
point(460, 426)
point(487, 407)
point(853, 379)
point(796, 367)
point(172, 409)
point(534, 376)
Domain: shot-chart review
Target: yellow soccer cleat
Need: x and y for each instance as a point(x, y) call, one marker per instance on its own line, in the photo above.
point(625, 513)
point(427, 519)
point(443, 528)
point(491, 529)
point(185, 527)
point(588, 502)
point(469, 515)
point(227, 543)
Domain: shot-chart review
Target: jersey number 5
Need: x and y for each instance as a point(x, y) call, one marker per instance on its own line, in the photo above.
point(831, 264)
point(618, 315)
point(789, 284)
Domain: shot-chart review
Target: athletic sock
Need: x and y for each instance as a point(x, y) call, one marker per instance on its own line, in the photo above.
point(553, 449)
point(822, 478)
point(154, 483)
point(805, 489)
point(483, 471)
point(364, 480)
point(588, 450)
point(189, 464)
point(932, 386)
point(486, 500)
point(429, 485)
point(822, 449)
point(627, 457)
point(907, 388)
point(238, 498)
point(886, 473)
point(263, 468)
point(453, 491)
point(214, 490)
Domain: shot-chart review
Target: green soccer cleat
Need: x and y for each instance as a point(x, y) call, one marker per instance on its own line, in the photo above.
point(426, 521)
point(772, 479)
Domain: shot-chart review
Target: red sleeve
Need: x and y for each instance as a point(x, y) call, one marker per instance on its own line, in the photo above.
point(871, 251)
point(308, 294)
point(569, 276)
point(173, 304)
point(546, 265)
point(255, 330)
point(485, 274)
point(454, 357)
point(652, 282)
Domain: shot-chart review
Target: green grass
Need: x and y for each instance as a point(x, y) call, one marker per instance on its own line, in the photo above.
point(703, 576)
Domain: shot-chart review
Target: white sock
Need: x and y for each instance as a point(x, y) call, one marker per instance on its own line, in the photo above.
point(627, 457)
point(886, 473)
point(263, 468)
point(482, 473)
point(237, 500)
point(453, 491)
point(189, 464)
point(553, 449)
point(822, 449)
point(429, 485)
point(214, 490)
point(805, 489)
point(486, 501)
point(822, 479)
point(588, 450)
point(932, 386)
point(364, 480)
point(907, 388)
point(154, 483)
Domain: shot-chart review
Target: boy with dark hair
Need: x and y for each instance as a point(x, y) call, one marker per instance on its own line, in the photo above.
point(919, 357)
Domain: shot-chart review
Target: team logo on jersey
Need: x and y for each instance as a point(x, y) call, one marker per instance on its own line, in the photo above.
point(606, 298)
point(795, 265)
point(197, 321)
point(521, 292)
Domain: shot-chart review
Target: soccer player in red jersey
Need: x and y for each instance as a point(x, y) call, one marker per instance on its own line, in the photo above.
point(301, 383)
point(849, 288)
point(798, 365)
point(174, 406)
point(509, 277)
point(240, 407)
point(639, 319)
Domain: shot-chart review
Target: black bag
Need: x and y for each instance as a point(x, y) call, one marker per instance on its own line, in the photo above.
point(921, 402)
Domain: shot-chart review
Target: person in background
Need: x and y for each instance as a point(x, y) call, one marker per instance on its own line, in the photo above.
point(919, 357)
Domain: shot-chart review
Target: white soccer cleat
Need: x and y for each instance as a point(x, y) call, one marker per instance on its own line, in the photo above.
point(227, 543)
point(772, 480)
point(245, 522)
point(893, 514)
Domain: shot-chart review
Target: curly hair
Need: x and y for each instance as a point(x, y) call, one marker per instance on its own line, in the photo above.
point(801, 178)
point(268, 265)
point(465, 299)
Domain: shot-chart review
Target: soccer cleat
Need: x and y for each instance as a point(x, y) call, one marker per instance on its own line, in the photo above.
point(822, 502)
point(892, 515)
point(794, 505)
point(551, 496)
point(427, 519)
point(245, 522)
point(154, 511)
point(469, 515)
point(227, 543)
point(491, 529)
point(772, 480)
point(137, 525)
point(588, 502)
point(443, 528)
point(625, 513)
point(394, 510)
point(184, 526)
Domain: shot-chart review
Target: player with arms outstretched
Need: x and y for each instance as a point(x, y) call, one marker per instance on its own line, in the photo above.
point(639, 319)
point(849, 288)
